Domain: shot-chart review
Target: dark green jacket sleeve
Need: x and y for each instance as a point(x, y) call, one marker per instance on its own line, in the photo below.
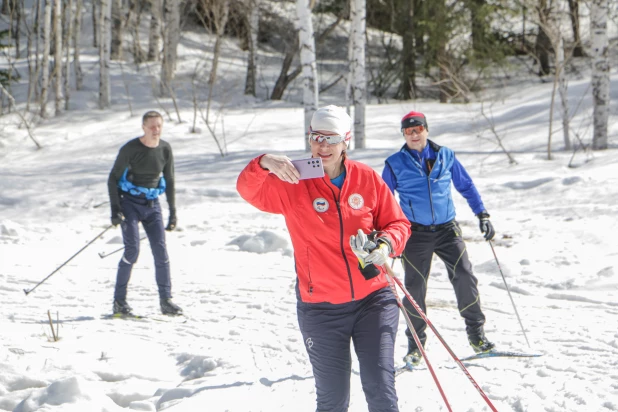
point(120, 165)
point(168, 174)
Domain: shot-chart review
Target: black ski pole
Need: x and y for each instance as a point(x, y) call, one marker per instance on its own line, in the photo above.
point(27, 291)
point(104, 255)
point(509, 292)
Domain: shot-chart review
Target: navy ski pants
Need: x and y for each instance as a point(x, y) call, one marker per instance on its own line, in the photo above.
point(446, 242)
point(371, 324)
point(148, 212)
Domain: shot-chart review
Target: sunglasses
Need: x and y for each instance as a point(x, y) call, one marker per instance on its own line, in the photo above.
point(318, 137)
point(413, 130)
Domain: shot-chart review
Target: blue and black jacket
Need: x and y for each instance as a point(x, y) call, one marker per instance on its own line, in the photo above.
point(423, 181)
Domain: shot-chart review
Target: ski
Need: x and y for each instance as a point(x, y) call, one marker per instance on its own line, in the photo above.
point(408, 368)
point(500, 354)
point(156, 318)
point(129, 316)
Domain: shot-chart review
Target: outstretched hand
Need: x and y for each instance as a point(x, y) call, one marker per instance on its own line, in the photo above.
point(281, 166)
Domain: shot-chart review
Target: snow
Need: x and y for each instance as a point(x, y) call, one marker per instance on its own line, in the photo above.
point(239, 348)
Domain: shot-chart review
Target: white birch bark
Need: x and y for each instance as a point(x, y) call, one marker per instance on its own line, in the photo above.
point(171, 37)
point(358, 63)
point(600, 72)
point(307, 61)
point(105, 28)
point(350, 76)
point(154, 34)
point(45, 63)
point(58, 55)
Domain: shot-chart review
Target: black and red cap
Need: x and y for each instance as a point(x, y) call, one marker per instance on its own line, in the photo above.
point(414, 119)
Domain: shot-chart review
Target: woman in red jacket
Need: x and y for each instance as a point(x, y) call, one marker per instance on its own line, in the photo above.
point(342, 291)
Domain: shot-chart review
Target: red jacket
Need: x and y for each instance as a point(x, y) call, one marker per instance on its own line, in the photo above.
point(321, 218)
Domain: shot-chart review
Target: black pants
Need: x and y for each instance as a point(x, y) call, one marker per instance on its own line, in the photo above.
point(371, 324)
point(448, 244)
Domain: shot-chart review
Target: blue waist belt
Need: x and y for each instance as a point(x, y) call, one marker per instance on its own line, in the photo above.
point(149, 193)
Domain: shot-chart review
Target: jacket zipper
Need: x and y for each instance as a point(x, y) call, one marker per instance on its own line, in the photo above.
point(345, 259)
point(310, 280)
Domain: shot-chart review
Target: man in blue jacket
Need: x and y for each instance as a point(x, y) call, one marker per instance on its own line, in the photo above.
point(422, 172)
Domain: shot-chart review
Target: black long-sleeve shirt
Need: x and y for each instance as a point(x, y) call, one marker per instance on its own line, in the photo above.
point(145, 167)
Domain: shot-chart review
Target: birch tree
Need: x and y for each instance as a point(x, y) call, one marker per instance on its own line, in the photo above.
point(600, 72)
point(67, 61)
point(253, 20)
point(171, 37)
point(79, 75)
point(117, 29)
point(58, 54)
point(45, 63)
point(154, 34)
point(350, 75)
point(105, 7)
point(307, 61)
point(359, 93)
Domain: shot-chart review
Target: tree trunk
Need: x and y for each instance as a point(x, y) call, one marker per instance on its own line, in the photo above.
point(600, 72)
point(154, 35)
point(58, 55)
point(105, 28)
point(543, 41)
point(286, 78)
point(67, 62)
point(95, 22)
point(79, 75)
point(32, 65)
point(117, 29)
point(45, 63)
point(220, 11)
point(307, 61)
point(349, 89)
point(358, 60)
point(578, 50)
point(407, 88)
point(563, 91)
point(252, 42)
point(171, 21)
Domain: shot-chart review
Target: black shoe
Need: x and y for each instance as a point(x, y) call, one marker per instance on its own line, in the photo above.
point(480, 343)
point(121, 306)
point(170, 308)
point(414, 357)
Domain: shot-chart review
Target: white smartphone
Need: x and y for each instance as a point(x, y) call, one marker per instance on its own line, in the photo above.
point(309, 168)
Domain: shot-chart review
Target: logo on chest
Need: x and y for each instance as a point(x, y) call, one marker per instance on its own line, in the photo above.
point(320, 205)
point(356, 201)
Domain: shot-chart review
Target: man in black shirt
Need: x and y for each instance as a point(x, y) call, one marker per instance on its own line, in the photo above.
point(134, 185)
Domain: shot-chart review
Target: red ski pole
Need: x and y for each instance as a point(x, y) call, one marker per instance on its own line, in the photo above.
point(449, 350)
point(416, 338)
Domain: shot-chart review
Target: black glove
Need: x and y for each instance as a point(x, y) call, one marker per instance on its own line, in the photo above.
point(117, 216)
point(171, 224)
point(485, 225)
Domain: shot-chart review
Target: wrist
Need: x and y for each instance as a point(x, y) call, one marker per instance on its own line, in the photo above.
point(483, 215)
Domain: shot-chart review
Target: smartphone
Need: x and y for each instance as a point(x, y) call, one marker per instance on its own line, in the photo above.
point(309, 168)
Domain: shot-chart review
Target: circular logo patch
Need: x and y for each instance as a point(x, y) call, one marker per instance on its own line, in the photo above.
point(356, 201)
point(320, 205)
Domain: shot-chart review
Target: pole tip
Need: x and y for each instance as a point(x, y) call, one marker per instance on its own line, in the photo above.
point(26, 291)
